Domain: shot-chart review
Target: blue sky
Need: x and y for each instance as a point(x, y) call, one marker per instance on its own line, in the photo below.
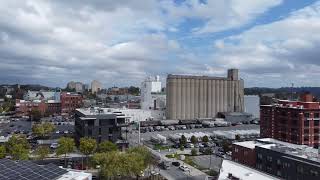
point(273, 42)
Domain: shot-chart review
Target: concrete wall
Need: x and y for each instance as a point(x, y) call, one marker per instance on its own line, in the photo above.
point(190, 97)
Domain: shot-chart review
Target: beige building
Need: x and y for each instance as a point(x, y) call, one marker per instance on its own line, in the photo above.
point(191, 97)
point(96, 86)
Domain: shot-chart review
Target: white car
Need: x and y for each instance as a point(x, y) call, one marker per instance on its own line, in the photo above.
point(154, 173)
point(184, 168)
point(54, 145)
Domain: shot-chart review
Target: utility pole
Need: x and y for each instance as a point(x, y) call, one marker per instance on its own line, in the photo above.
point(292, 85)
point(139, 131)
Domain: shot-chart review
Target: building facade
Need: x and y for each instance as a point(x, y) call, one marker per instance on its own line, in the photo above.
point(151, 95)
point(191, 97)
point(100, 125)
point(96, 86)
point(252, 105)
point(292, 121)
point(278, 158)
point(70, 101)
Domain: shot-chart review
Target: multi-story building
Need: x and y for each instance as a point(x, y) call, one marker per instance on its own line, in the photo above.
point(96, 86)
point(278, 158)
point(70, 101)
point(292, 121)
point(151, 95)
point(77, 86)
point(100, 124)
point(190, 97)
point(252, 105)
point(24, 107)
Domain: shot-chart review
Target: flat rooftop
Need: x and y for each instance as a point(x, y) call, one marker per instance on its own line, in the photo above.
point(181, 76)
point(301, 151)
point(242, 172)
point(249, 144)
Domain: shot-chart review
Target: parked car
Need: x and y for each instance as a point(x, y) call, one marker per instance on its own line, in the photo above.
point(176, 163)
point(154, 173)
point(189, 145)
point(54, 145)
point(184, 168)
point(164, 165)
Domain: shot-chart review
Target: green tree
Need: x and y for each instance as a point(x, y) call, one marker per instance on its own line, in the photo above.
point(205, 139)
point(183, 140)
point(18, 147)
point(42, 152)
point(66, 145)
point(35, 115)
point(194, 152)
point(226, 146)
point(107, 146)
point(144, 153)
point(87, 147)
point(194, 140)
point(43, 130)
point(2, 152)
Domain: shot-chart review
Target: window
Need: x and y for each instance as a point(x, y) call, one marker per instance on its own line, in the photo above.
point(316, 115)
point(236, 149)
point(259, 156)
point(306, 123)
point(306, 131)
point(316, 122)
point(99, 131)
point(306, 115)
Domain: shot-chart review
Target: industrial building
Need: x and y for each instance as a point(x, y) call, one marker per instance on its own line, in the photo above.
point(151, 95)
point(191, 97)
point(292, 121)
point(252, 105)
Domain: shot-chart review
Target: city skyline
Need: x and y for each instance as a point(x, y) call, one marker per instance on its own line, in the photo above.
point(272, 42)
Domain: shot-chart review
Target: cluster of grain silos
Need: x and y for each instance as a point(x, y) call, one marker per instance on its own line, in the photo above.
point(191, 97)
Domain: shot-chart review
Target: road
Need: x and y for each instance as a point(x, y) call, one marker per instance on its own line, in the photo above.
point(174, 173)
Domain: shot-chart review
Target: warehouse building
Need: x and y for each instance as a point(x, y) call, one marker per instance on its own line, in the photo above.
point(190, 97)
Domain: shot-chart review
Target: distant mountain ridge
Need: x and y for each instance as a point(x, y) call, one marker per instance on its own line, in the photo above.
point(296, 90)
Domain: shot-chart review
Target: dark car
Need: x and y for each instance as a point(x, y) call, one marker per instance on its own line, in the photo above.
point(176, 163)
point(164, 165)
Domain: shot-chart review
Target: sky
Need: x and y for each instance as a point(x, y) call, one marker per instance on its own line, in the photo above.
point(272, 42)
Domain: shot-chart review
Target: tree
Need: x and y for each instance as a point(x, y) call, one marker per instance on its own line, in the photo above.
point(18, 147)
point(43, 130)
point(42, 152)
point(237, 137)
point(226, 146)
point(2, 152)
point(183, 140)
point(194, 140)
point(66, 145)
point(205, 139)
point(194, 152)
point(87, 147)
point(143, 152)
point(35, 115)
point(107, 146)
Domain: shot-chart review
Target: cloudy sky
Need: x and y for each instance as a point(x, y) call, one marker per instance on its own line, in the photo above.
point(273, 42)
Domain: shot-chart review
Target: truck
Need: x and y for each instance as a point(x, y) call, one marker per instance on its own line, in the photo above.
point(159, 139)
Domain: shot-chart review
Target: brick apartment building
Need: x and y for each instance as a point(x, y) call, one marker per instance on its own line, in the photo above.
point(244, 153)
point(295, 122)
point(280, 159)
point(70, 101)
point(66, 104)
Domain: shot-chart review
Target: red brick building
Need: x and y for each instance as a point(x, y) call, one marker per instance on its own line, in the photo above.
point(295, 122)
point(24, 108)
point(70, 101)
point(244, 153)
